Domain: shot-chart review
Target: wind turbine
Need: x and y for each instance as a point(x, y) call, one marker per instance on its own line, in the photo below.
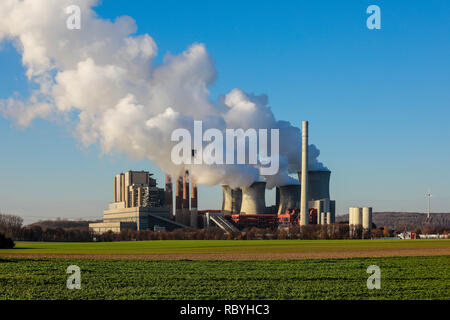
point(429, 196)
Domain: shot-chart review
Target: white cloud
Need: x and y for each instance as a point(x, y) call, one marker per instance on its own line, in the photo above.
point(105, 73)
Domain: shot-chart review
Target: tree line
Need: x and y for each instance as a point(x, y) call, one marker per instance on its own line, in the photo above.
point(11, 227)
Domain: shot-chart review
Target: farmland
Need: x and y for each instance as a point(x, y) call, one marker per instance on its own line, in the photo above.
point(401, 278)
point(231, 250)
point(201, 269)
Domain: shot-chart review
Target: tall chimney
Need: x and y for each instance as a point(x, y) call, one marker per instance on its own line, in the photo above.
point(304, 191)
point(194, 204)
point(178, 200)
point(186, 219)
point(194, 199)
point(277, 198)
point(169, 195)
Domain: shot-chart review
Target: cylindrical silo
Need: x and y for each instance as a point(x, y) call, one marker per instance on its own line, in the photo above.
point(329, 221)
point(289, 198)
point(357, 218)
point(367, 218)
point(350, 216)
point(322, 218)
point(254, 199)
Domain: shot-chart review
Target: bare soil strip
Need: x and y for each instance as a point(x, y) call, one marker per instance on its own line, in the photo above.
point(245, 256)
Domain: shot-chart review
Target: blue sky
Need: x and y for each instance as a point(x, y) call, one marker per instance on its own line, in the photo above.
point(378, 101)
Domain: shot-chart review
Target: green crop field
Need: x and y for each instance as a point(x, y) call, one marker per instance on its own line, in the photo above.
point(401, 278)
point(220, 246)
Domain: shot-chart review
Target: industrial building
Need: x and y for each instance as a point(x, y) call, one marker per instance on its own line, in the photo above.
point(296, 204)
point(246, 207)
point(140, 205)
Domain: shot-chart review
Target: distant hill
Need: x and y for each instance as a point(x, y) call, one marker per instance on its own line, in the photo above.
point(408, 220)
point(64, 224)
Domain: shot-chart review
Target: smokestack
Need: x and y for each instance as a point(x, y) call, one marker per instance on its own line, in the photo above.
point(289, 198)
point(277, 198)
point(186, 218)
point(304, 189)
point(169, 195)
point(178, 200)
point(194, 204)
point(186, 190)
point(254, 199)
point(194, 200)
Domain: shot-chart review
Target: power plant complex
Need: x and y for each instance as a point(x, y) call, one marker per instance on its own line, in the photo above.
point(140, 205)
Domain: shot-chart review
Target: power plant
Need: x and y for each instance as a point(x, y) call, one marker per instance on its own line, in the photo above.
point(139, 204)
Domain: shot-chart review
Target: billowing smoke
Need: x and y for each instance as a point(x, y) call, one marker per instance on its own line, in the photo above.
point(103, 78)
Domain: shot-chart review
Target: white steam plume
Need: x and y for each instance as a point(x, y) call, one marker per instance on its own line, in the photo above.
point(104, 75)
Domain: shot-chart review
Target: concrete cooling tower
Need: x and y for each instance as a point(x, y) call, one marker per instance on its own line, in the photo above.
point(254, 199)
point(318, 184)
point(289, 198)
point(232, 200)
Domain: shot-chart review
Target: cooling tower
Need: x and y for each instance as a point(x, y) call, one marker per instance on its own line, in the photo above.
point(254, 199)
point(367, 218)
point(289, 198)
point(318, 184)
point(232, 200)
